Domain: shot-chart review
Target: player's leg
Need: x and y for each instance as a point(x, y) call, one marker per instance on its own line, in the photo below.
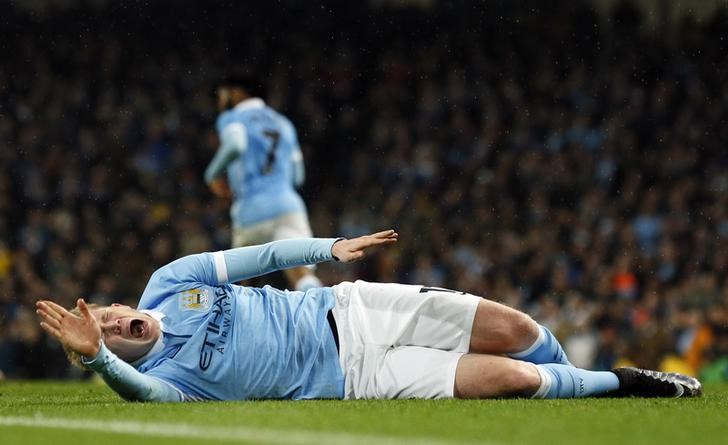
point(251, 235)
point(398, 342)
point(409, 315)
point(295, 225)
point(389, 372)
point(406, 372)
point(483, 376)
point(499, 329)
point(302, 278)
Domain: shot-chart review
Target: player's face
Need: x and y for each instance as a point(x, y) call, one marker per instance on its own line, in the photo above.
point(127, 332)
point(224, 99)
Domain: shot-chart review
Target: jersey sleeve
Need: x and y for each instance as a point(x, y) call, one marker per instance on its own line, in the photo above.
point(131, 384)
point(181, 274)
point(298, 169)
point(233, 265)
point(248, 262)
point(233, 142)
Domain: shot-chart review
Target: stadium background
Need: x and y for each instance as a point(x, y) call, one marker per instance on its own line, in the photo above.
point(567, 160)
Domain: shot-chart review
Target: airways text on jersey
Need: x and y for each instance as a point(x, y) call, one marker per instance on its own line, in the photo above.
point(217, 331)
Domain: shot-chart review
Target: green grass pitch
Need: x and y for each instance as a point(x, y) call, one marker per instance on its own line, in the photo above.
point(57, 413)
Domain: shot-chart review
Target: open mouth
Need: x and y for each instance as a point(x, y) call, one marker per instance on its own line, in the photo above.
point(137, 328)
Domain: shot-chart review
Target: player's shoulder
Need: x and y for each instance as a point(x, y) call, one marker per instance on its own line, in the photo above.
point(277, 114)
point(155, 288)
point(179, 275)
point(283, 121)
point(223, 119)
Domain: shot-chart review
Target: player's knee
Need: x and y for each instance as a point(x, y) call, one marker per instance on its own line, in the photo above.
point(499, 329)
point(523, 330)
point(522, 380)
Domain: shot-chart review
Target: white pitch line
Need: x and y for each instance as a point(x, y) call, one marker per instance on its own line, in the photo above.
point(222, 433)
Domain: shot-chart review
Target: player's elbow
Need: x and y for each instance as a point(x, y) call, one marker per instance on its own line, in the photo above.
point(136, 396)
point(299, 175)
point(149, 396)
point(209, 177)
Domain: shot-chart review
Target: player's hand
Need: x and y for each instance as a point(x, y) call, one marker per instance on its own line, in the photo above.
point(81, 334)
point(221, 188)
point(349, 250)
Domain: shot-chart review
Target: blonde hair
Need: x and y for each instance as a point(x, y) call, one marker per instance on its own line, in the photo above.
point(73, 356)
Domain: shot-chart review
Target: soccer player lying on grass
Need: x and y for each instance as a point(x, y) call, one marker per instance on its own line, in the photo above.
point(196, 336)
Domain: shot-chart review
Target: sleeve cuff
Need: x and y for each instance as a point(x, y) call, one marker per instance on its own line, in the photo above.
point(220, 267)
point(98, 361)
point(336, 240)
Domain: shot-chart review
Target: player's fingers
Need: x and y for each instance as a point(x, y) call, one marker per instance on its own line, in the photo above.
point(371, 241)
point(384, 234)
point(49, 317)
point(57, 307)
point(386, 240)
point(48, 311)
point(51, 330)
point(84, 309)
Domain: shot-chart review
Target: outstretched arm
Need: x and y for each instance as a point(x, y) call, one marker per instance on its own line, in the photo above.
point(253, 261)
point(129, 383)
point(83, 335)
point(230, 266)
point(299, 171)
point(233, 142)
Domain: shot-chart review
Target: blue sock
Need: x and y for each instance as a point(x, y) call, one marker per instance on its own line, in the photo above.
point(546, 349)
point(568, 382)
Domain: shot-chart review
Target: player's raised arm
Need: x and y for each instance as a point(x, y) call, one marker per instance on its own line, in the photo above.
point(252, 261)
point(233, 142)
point(299, 171)
point(233, 265)
point(297, 167)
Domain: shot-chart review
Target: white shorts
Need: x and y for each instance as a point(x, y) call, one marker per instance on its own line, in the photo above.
point(290, 225)
point(400, 341)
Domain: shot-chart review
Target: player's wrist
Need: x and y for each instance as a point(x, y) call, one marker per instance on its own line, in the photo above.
point(94, 350)
point(95, 355)
point(334, 249)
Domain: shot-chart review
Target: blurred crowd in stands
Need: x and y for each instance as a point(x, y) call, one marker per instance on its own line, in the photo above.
point(568, 164)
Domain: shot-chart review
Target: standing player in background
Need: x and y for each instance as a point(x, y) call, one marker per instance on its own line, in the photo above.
point(260, 155)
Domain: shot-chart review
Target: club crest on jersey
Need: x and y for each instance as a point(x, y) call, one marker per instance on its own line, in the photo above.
point(194, 300)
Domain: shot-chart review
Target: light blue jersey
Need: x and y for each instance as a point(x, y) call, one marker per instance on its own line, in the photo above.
point(227, 342)
point(260, 153)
